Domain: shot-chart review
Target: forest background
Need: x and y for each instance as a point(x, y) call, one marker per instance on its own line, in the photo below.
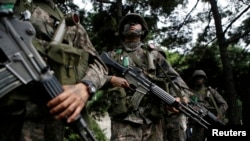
point(211, 35)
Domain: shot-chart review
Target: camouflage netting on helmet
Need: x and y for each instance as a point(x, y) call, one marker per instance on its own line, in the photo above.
point(136, 17)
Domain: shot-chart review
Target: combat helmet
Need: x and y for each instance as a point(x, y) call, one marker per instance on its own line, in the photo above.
point(199, 73)
point(136, 17)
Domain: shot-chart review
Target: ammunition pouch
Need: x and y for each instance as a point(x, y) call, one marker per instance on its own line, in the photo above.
point(118, 97)
point(154, 108)
point(64, 60)
point(121, 104)
point(155, 113)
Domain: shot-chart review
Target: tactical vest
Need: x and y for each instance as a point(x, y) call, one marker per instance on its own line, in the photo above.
point(124, 101)
point(205, 97)
point(68, 63)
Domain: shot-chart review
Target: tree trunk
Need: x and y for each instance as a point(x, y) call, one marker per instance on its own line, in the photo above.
point(233, 111)
point(119, 9)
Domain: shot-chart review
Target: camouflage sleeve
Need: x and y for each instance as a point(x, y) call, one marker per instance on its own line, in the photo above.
point(173, 75)
point(222, 104)
point(97, 71)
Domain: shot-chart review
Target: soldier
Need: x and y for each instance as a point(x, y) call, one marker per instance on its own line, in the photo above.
point(77, 65)
point(209, 98)
point(129, 121)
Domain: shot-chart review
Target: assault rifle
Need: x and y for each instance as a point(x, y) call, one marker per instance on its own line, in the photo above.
point(198, 107)
point(142, 84)
point(21, 64)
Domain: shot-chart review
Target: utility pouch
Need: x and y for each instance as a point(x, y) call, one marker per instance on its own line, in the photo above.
point(64, 60)
point(84, 64)
point(156, 110)
point(117, 97)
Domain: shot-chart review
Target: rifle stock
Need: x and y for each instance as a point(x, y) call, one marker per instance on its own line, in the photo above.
point(20, 64)
point(136, 78)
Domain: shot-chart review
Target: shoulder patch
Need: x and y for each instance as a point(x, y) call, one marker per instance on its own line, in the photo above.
point(152, 47)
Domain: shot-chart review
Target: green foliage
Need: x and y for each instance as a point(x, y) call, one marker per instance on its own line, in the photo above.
point(106, 21)
point(98, 105)
point(177, 61)
point(206, 58)
point(105, 28)
point(67, 6)
point(241, 66)
point(156, 6)
point(70, 135)
point(100, 136)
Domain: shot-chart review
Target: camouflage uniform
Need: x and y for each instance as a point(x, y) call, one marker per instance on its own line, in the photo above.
point(176, 126)
point(205, 95)
point(146, 122)
point(176, 123)
point(26, 105)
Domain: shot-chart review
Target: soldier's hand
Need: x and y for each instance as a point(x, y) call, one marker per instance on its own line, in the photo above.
point(119, 82)
point(173, 109)
point(69, 103)
point(219, 117)
point(184, 100)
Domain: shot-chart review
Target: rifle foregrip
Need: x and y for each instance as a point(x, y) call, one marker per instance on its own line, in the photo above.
point(213, 119)
point(170, 100)
point(52, 85)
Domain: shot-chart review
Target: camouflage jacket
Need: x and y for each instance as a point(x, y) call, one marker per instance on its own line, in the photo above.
point(86, 61)
point(151, 60)
point(153, 63)
point(205, 96)
point(72, 60)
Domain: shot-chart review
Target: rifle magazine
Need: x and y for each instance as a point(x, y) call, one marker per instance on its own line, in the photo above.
point(8, 82)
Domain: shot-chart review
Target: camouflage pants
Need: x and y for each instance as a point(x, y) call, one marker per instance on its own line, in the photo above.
point(127, 131)
point(198, 133)
point(40, 126)
point(32, 125)
point(175, 129)
point(10, 128)
point(46, 130)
